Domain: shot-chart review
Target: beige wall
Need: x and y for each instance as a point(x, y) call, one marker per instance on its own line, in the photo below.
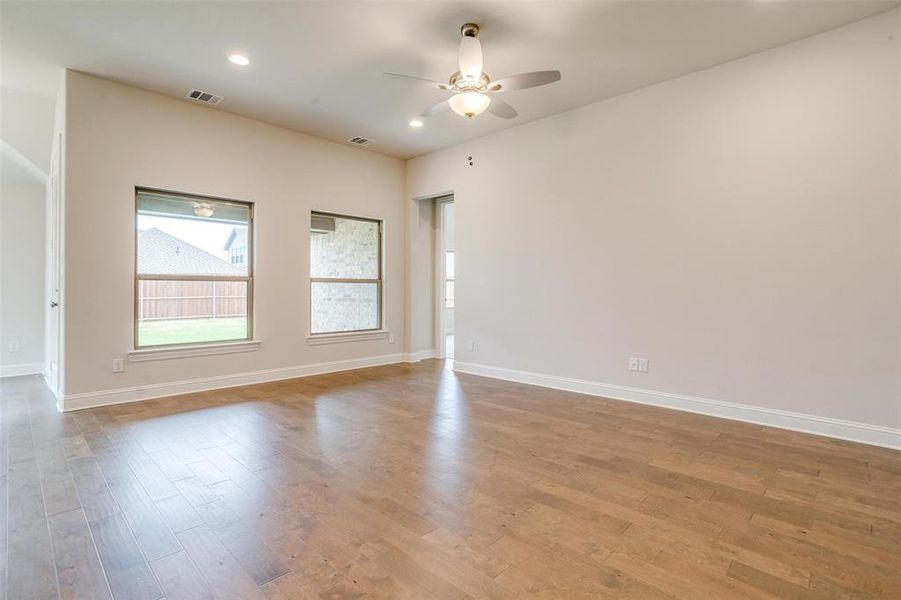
point(21, 275)
point(738, 226)
point(898, 67)
point(118, 137)
point(420, 282)
point(27, 123)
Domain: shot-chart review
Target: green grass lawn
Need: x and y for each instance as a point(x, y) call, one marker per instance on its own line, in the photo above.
point(186, 331)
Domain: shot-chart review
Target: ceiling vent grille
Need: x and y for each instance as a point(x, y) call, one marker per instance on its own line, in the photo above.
point(360, 141)
point(203, 97)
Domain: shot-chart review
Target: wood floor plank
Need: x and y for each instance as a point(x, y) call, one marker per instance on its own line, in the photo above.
point(195, 491)
point(410, 481)
point(129, 576)
point(60, 495)
point(178, 514)
point(93, 491)
point(226, 577)
point(4, 506)
point(78, 569)
point(28, 555)
point(180, 579)
point(173, 467)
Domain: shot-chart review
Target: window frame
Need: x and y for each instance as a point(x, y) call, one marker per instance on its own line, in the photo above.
point(380, 282)
point(138, 277)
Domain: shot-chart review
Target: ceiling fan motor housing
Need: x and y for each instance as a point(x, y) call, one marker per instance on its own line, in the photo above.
point(457, 82)
point(469, 30)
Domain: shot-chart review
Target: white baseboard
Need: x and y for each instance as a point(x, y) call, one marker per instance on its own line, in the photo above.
point(22, 369)
point(174, 388)
point(421, 355)
point(836, 428)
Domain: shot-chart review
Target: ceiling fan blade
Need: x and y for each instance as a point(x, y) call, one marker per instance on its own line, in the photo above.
point(502, 109)
point(426, 82)
point(470, 58)
point(524, 81)
point(434, 110)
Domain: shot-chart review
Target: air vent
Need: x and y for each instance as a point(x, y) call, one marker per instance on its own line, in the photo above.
point(360, 141)
point(203, 97)
point(322, 224)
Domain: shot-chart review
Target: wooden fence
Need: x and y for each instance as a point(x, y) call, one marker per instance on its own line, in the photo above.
point(191, 299)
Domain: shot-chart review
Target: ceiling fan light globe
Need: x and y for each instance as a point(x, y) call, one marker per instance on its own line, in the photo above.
point(203, 209)
point(469, 104)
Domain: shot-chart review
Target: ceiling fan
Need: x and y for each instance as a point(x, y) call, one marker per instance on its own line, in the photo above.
point(472, 88)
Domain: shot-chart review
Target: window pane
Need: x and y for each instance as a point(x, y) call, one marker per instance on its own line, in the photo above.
point(344, 307)
point(449, 264)
point(182, 312)
point(343, 248)
point(181, 236)
point(449, 294)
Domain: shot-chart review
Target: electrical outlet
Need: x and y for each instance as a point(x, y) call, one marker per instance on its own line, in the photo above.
point(642, 365)
point(633, 363)
point(470, 345)
point(118, 365)
point(14, 346)
point(390, 338)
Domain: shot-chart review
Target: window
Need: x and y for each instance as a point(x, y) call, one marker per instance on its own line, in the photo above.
point(193, 275)
point(345, 274)
point(448, 278)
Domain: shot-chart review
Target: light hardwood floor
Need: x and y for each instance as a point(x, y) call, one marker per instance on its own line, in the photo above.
point(408, 481)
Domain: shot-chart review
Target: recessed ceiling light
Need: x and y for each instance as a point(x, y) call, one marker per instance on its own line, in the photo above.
point(416, 123)
point(239, 59)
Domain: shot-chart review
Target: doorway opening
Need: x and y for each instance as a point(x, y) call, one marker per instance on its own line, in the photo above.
point(447, 271)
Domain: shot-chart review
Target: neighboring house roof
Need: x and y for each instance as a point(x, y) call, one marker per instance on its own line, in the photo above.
point(236, 239)
point(162, 254)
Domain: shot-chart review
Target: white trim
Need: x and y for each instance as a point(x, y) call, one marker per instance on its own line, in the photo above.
point(174, 388)
point(316, 339)
point(413, 357)
point(865, 433)
point(45, 375)
point(170, 352)
point(21, 369)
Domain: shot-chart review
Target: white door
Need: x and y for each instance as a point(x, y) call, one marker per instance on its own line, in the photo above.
point(53, 275)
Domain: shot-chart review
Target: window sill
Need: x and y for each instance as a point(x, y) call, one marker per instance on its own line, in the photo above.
point(170, 352)
point(351, 336)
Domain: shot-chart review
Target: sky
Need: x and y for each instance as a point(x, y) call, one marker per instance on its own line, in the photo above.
point(207, 235)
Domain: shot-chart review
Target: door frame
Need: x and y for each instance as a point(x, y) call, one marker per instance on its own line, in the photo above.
point(438, 308)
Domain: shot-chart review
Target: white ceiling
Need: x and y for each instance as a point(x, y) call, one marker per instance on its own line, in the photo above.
point(316, 66)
